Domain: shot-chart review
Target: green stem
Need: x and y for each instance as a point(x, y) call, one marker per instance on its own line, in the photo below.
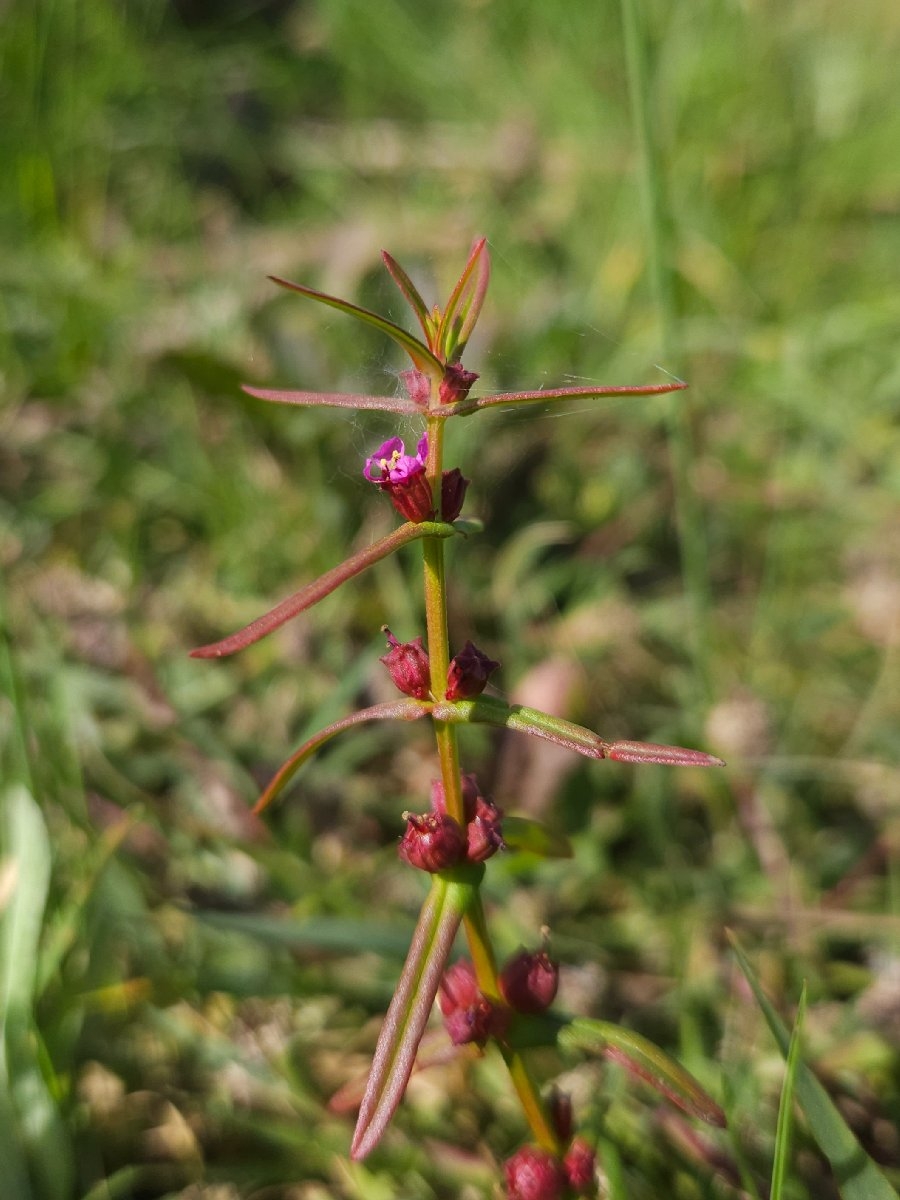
point(477, 935)
point(436, 624)
point(530, 1099)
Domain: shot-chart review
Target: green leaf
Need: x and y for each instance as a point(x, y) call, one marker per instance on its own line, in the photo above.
point(339, 935)
point(35, 1136)
point(524, 834)
point(410, 292)
point(313, 592)
point(785, 1106)
point(491, 711)
point(26, 845)
point(422, 358)
point(410, 1008)
point(648, 1062)
point(464, 305)
point(858, 1177)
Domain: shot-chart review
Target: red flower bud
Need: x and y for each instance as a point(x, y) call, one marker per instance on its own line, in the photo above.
point(580, 1166)
point(485, 832)
point(468, 673)
point(417, 387)
point(534, 1174)
point(529, 981)
point(453, 493)
point(469, 1016)
point(459, 987)
point(432, 842)
point(470, 795)
point(456, 383)
point(560, 1108)
point(407, 663)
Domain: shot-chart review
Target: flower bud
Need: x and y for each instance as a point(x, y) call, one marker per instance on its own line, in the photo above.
point(485, 832)
point(469, 1016)
point(407, 663)
point(468, 673)
point(417, 387)
point(432, 842)
point(559, 1105)
point(580, 1168)
point(453, 493)
point(529, 981)
point(534, 1174)
point(456, 383)
point(470, 796)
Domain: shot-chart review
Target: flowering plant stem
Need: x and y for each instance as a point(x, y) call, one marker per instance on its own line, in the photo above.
point(463, 828)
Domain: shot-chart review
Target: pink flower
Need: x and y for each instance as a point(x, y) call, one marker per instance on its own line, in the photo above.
point(390, 464)
point(402, 476)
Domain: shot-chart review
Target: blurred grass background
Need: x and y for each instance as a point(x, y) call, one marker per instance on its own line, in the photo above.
point(184, 986)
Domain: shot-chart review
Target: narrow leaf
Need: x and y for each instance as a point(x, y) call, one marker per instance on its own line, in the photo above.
point(394, 404)
point(409, 1010)
point(395, 710)
point(859, 1178)
point(322, 587)
point(647, 1062)
point(669, 756)
point(471, 404)
point(410, 292)
point(491, 711)
point(465, 302)
point(422, 358)
point(786, 1105)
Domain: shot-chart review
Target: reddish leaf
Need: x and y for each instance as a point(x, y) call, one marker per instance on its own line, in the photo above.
point(464, 305)
point(395, 710)
point(409, 1010)
point(395, 404)
point(322, 587)
point(464, 408)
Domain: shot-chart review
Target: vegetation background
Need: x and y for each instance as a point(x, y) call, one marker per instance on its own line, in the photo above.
point(183, 986)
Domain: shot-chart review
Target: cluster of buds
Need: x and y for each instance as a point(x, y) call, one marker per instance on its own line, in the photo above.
point(434, 841)
point(528, 984)
point(403, 477)
point(409, 667)
point(536, 1174)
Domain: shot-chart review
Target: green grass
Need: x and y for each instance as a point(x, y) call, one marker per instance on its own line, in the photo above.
point(163, 1036)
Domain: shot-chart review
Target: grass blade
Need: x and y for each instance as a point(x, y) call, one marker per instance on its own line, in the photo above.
point(859, 1178)
point(785, 1106)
